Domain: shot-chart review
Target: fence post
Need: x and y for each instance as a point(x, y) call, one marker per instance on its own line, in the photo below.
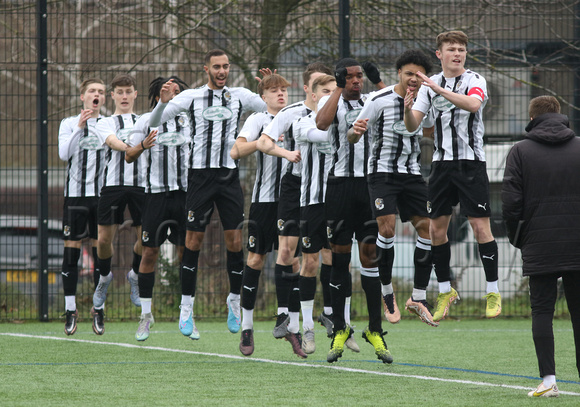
point(42, 157)
point(344, 28)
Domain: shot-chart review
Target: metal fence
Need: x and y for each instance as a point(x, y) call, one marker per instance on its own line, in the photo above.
point(524, 48)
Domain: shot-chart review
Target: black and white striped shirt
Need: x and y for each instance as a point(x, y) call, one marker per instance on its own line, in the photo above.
point(268, 168)
point(458, 133)
point(214, 117)
point(283, 124)
point(85, 155)
point(349, 160)
point(393, 148)
point(117, 171)
point(166, 162)
point(315, 161)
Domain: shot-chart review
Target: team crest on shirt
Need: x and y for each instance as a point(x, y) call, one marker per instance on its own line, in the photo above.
point(329, 232)
point(171, 139)
point(145, 236)
point(217, 113)
point(306, 242)
point(190, 216)
point(379, 204)
point(400, 128)
point(429, 208)
point(227, 95)
point(280, 224)
point(442, 104)
point(351, 116)
point(252, 241)
point(66, 230)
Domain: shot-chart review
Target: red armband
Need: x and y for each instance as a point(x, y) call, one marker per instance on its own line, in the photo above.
point(477, 92)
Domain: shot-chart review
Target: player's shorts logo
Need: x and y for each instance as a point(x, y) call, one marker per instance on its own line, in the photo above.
point(252, 241)
point(429, 208)
point(442, 104)
point(145, 236)
point(66, 230)
point(171, 139)
point(351, 116)
point(190, 216)
point(306, 242)
point(379, 204)
point(217, 113)
point(280, 224)
point(329, 232)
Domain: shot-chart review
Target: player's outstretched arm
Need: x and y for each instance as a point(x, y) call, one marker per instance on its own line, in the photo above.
point(412, 118)
point(326, 114)
point(465, 102)
point(358, 128)
point(242, 148)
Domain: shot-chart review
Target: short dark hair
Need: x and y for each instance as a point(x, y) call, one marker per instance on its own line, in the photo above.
point(85, 84)
point(313, 68)
point(346, 62)
point(543, 104)
point(272, 81)
point(123, 79)
point(213, 53)
point(415, 57)
point(451, 37)
point(156, 85)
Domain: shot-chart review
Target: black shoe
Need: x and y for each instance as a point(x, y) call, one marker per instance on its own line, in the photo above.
point(70, 326)
point(98, 321)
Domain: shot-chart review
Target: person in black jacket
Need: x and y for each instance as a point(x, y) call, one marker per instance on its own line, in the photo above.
point(541, 208)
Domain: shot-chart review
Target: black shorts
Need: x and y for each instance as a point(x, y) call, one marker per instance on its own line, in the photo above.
point(113, 202)
point(164, 212)
point(464, 182)
point(80, 218)
point(405, 192)
point(348, 211)
point(262, 236)
point(313, 229)
point(289, 206)
point(219, 186)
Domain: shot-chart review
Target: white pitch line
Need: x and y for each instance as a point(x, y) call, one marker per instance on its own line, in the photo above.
point(278, 362)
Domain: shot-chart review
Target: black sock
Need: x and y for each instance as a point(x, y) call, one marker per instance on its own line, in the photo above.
point(488, 255)
point(136, 262)
point(325, 271)
point(294, 293)
point(235, 265)
point(283, 284)
point(385, 260)
point(96, 274)
point(423, 265)
point(188, 271)
point(372, 289)
point(338, 288)
point(70, 270)
point(307, 288)
point(146, 284)
point(105, 266)
point(250, 287)
point(441, 258)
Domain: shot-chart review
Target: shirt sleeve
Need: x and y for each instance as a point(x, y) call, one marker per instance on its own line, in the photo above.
point(164, 112)
point(322, 102)
point(478, 88)
point(105, 127)
point(69, 134)
point(251, 101)
point(422, 102)
point(278, 126)
point(251, 129)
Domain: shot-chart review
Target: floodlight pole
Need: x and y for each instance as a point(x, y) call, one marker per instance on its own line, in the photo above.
point(42, 157)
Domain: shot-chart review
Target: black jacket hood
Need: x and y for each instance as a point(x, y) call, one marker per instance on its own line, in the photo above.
point(550, 128)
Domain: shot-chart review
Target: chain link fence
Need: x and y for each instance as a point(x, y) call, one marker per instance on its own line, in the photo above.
point(523, 48)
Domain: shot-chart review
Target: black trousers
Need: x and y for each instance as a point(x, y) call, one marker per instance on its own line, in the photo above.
point(543, 294)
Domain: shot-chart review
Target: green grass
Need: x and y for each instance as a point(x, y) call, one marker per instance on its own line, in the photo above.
point(44, 367)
